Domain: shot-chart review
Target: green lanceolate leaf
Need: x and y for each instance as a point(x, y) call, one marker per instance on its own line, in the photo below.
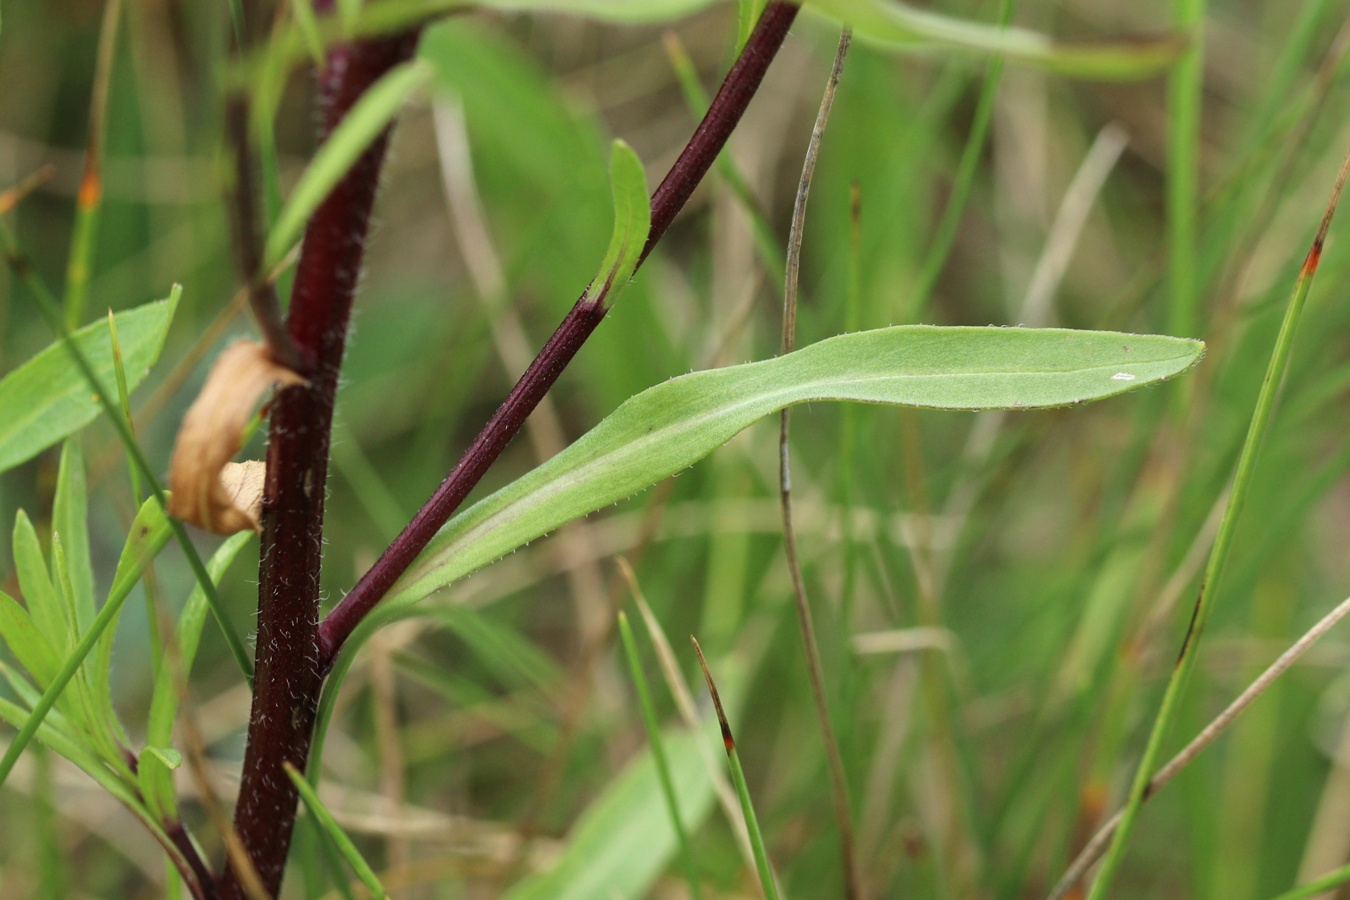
point(26, 641)
point(632, 219)
point(366, 121)
point(44, 603)
point(673, 425)
point(47, 399)
point(142, 545)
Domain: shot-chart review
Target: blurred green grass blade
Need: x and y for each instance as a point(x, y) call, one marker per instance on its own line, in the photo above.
point(334, 832)
point(632, 220)
point(658, 751)
point(1257, 429)
point(624, 839)
point(47, 398)
point(164, 700)
point(502, 649)
point(1184, 93)
point(1319, 886)
point(669, 427)
point(366, 121)
point(307, 23)
point(44, 603)
point(944, 235)
point(123, 398)
point(70, 520)
point(894, 24)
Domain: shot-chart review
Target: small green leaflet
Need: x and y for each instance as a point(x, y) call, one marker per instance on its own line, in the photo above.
point(632, 220)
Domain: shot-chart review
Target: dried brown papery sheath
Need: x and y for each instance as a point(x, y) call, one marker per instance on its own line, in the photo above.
point(209, 490)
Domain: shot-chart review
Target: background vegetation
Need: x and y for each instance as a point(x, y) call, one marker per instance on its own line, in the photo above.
point(999, 598)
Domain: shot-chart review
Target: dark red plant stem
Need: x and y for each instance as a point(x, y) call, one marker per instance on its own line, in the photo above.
point(199, 880)
point(675, 189)
point(288, 676)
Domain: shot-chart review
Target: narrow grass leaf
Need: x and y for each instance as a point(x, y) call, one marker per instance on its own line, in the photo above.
point(669, 427)
point(371, 115)
point(334, 832)
point(766, 881)
point(47, 398)
point(307, 23)
point(658, 751)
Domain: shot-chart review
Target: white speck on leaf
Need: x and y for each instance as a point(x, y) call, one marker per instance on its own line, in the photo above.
point(1122, 376)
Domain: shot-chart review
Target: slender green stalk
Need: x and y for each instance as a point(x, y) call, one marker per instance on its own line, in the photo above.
point(89, 202)
point(766, 881)
point(843, 806)
point(659, 753)
point(1204, 604)
point(51, 312)
point(1327, 882)
point(945, 234)
point(333, 831)
point(1183, 168)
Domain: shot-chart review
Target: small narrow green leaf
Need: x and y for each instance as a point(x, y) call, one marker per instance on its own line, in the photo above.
point(154, 776)
point(122, 585)
point(47, 399)
point(150, 531)
point(334, 833)
point(70, 520)
point(366, 121)
point(671, 426)
point(44, 603)
point(632, 219)
point(26, 641)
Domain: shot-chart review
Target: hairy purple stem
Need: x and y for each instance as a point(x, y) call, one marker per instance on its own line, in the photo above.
point(288, 673)
point(675, 189)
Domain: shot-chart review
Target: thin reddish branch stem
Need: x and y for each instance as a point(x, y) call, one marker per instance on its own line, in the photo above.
point(732, 98)
point(288, 674)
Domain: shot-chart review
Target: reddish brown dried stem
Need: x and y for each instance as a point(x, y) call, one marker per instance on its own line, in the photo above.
point(288, 675)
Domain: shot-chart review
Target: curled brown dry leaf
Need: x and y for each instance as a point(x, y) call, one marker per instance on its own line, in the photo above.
point(208, 490)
